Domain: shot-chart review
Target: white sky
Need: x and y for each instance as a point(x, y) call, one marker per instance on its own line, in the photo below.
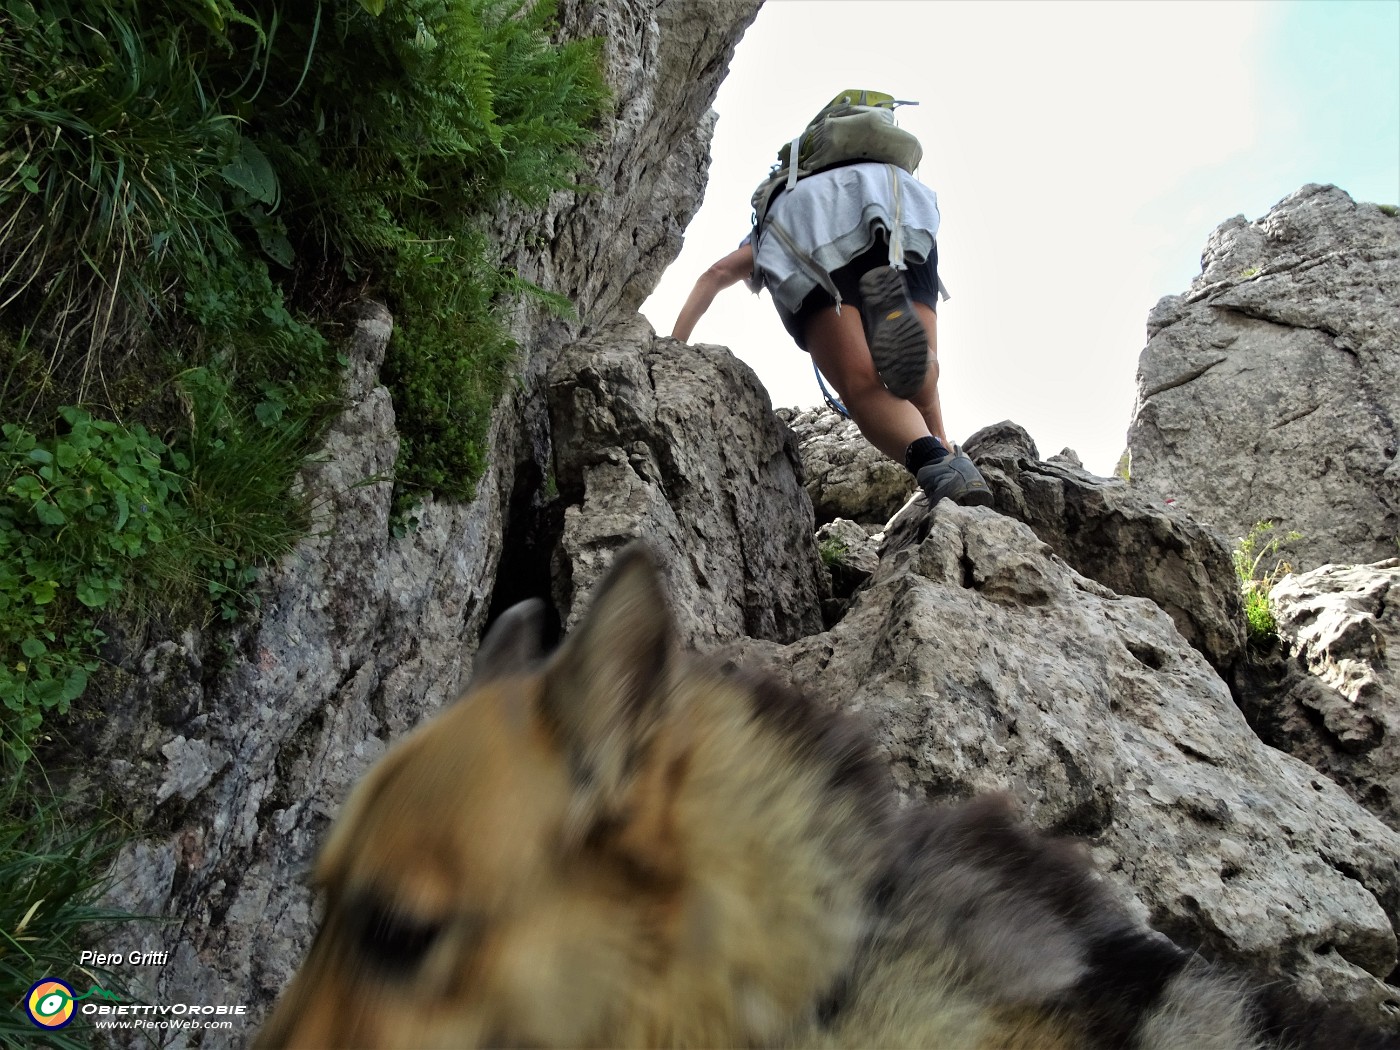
point(1082, 153)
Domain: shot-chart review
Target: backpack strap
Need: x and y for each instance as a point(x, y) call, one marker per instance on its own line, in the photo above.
point(794, 172)
point(896, 234)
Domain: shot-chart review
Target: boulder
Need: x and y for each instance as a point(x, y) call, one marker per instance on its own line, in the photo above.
point(678, 443)
point(1270, 390)
point(851, 553)
point(983, 662)
point(1115, 534)
point(846, 476)
point(1331, 695)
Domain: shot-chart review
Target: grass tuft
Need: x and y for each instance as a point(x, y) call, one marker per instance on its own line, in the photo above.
point(1257, 577)
point(52, 876)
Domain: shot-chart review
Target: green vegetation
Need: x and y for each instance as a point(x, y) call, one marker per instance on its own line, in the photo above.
point(1257, 578)
point(1390, 209)
point(50, 880)
point(189, 190)
point(832, 551)
point(1124, 467)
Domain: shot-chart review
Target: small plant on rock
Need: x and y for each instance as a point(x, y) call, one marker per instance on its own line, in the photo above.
point(832, 551)
point(1252, 557)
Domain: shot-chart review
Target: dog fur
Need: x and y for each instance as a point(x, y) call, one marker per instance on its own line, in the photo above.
point(627, 846)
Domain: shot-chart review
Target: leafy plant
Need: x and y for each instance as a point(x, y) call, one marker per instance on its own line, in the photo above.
point(81, 511)
point(1251, 558)
point(832, 551)
point(99, 517)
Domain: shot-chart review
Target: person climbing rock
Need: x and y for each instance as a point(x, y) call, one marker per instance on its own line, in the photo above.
point(864, 233)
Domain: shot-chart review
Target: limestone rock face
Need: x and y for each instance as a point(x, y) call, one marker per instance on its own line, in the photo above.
point(606, 250)
point(851, 553)
point(232, 772)
point(1116, 535)
point(233, 753)
point(846, 476)
point(679, 443)
point(1332, 698)
point(1270, 390)
point(983, 662)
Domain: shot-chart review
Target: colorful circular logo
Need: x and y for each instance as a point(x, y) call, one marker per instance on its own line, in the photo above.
point(50, 1003)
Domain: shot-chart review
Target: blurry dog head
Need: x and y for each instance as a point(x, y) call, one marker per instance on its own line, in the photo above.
point(506, 875)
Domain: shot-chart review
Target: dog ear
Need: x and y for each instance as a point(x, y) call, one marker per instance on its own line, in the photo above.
point(607, 689)
point(512, 645)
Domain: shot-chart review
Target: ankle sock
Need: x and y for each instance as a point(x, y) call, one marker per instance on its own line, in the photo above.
point(922, 452)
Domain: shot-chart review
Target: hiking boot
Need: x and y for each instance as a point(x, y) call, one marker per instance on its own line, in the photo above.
point(957, 478)
point(898, 342)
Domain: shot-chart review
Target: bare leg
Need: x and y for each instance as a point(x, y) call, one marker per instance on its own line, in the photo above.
point(837, 345)
point(926, 400)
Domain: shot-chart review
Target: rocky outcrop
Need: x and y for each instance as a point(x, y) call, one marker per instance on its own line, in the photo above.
point(1331, 694)
point(232, 770)
point(231, 752)
point(983, 662)
point(679, 444)
point(1114, 534)
point(846, 476)
point(1270, 390)
point(851, 553)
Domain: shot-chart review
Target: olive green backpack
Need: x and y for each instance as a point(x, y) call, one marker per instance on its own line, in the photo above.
point(854, 127)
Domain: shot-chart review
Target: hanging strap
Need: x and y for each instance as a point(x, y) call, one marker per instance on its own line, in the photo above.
point(828, 396)
point(814, 269)
point(792, 162)
point(897, 234)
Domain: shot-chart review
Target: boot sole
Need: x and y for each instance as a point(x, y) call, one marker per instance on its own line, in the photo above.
point(898, 343)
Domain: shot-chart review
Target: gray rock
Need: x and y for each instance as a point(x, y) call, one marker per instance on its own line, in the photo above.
point(678, 443)
point(851, 553)
point(983, 662)
point(1270, 391)
point(233, 776)
point(1332, 697)
point(846, 476)
point(1127, 541)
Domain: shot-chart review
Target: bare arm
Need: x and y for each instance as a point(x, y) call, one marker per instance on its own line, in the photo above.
point(730, 270)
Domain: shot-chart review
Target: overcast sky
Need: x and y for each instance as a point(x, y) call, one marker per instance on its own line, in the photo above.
point(1082, 154)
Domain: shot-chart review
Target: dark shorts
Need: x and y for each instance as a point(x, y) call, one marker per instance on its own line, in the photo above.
point(920, 280)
